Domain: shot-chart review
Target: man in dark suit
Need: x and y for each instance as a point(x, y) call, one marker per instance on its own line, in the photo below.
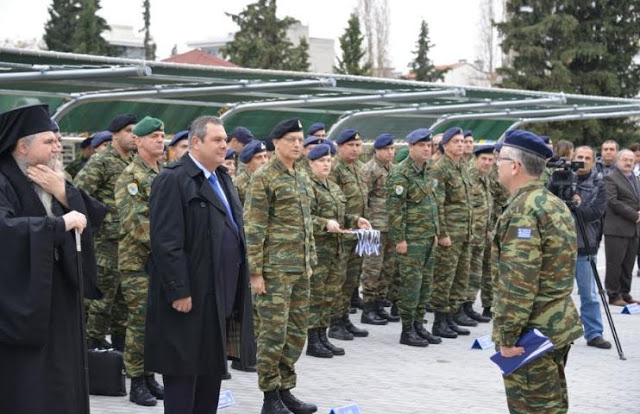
point(198, 270)
point(621, 228)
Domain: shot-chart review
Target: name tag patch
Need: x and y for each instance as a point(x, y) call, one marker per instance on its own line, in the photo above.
point(524, 233)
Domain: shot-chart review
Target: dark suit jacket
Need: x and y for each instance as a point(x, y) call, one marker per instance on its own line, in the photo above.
point(622, 206)
point(187, 221)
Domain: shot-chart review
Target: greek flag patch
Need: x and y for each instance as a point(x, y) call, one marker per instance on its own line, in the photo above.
point(524, 233)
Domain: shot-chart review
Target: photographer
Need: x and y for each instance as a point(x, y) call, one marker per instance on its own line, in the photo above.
point(591, 202)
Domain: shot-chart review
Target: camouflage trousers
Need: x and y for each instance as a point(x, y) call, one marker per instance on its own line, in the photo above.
point(377, 271)
point(326, 289)
point(283, 314)
point(539, 386)
point(416, 276)
point(352, 277)
point(476, 260)
point(486, 285)
point(451, 276)
point(109, 314)
point(135, 287)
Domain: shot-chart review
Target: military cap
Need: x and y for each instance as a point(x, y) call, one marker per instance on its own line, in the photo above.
point(121, 121)
point(383, 140)
point(242, 134)
point(527, 141)
point(484, 149)
point(545, 138)
point(179, 136)
point(450, 133)
point(284, 127)
point(319, 151)
point(100, 137)
point(348, 135)
point(86, 143)
point(269, 143)
point(315, 128)
point(467, 133)
point(231, 153)
point(312, 140)
point(401, 154)
point(148, 125)
point(420, 134)
point(251, 149)
point(334, 147)
point(54, 126)
point(22, 122)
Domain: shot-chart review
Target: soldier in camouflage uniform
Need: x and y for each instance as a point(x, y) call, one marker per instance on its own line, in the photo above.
point(378, 270)
point(467, 153)
point(98, 179)
point(413, 228)
point(533, 290)
point(281, 254)
point(329, 220)
point(253, 156)
point(482, 204)
point(347, 173)
point(76, 165)
point(132, 191)
point(452, 259)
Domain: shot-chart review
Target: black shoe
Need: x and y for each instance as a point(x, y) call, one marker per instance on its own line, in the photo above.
point(154, 387)
point(335, 350)
point(370, 315)
point(461, 318)
point(382, 312)
point(454, 326)
point(411, 338)
point(295, 405)
point(487, 313)
point(441, 327)
point(237, 365)
point(315, 348)
point(117, 341)
point(140, 394)
point(226, 376)
point(467, 307)
point(394, 311)
point(386, 303)
point(423, 333)
point(93, 343)
point(339, 331)
point(353, 310)
point(599, 342)
point(272, 404)
point(359, 332)
point(356, 300)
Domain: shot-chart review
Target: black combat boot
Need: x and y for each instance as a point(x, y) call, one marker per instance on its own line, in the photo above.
point(359, 332)
point(315, 348)
point(423, 333)
point(454, 326)
point(117, 340)
point(385, 303)
point(441, 327)
point(140, 394)
point(272, 404)
point(322, 335)
point(461, 318)
point(393, 312)
point(487, 312)
point(370, 315)
point(339, 331)
point(356, 300)
point(295, 405)
point(468, 310)
point(382, 312)
point(410, 337)
point(154, 387)
point(93, 343)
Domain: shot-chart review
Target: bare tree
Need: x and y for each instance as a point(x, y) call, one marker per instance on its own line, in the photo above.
point(374, 15)
point(489, 43)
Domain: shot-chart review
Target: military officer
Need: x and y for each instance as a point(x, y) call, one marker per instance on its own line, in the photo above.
point(100, 141)
point(253, 156)
point(230, 162)
point(467, 153)
point(132, 190)
point(533, 290)
point(238, 138)
point(179, 145)
point(77, 164)
point(317, 129)
point(310, 142)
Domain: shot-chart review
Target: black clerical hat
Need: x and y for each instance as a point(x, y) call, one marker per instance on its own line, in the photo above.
point(21, 122)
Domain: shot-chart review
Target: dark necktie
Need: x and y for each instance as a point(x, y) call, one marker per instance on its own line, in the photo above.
point(217, 188)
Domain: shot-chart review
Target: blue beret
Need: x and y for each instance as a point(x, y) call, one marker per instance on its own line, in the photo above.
point(251, 149)
point(242, 134)
point(450, 133)
point(383, 140)
point(121, 121)
point(312, 140)
point(420, 134)
point(179, 136)
point(315, 128)
point(54, 126)
point(527, 141)
point(468, 133)
point(86, 143)
point(284, 127)
point(484, 149)
point(319, 151)
point(545, 138)
point(231, 153)
point(347, 135)
point(334, 147)
point(101, 137)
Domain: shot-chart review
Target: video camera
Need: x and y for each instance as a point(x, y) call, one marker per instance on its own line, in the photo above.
point(564, 180)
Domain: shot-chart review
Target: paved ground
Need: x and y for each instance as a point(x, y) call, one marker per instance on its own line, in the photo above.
point(383, 377)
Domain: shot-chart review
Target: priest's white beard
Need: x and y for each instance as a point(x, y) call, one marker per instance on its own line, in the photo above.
point(45, 198)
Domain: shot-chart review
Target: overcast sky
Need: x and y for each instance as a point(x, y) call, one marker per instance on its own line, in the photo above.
point(452, 23)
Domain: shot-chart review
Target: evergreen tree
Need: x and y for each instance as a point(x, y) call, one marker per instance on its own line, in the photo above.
point(575, 46)
point(262, 40)
point(62, 23)
point(422, 66)
point(353, 52)
point(149, 44)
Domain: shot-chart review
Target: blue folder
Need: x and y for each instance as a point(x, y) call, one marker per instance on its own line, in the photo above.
point(535, 344)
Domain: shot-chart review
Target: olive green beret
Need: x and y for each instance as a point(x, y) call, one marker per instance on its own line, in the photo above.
point(147, 125)
point(401, 154)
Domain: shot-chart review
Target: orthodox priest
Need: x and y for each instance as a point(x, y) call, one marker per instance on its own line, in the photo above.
point(41, 345)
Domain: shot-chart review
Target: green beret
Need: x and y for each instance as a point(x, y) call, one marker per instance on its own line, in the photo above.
point(401, 154)
point(147, 125)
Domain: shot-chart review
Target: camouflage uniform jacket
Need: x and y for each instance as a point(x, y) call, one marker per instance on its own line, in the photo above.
point(278, 221)
point(411, 202)
point(452, 196)
point(349, 179)
point(133, 188)
point(499, 194)
point(535, 250)
point(76, 165)
point(375, 178)
point(482, 204)
point(241, 181)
